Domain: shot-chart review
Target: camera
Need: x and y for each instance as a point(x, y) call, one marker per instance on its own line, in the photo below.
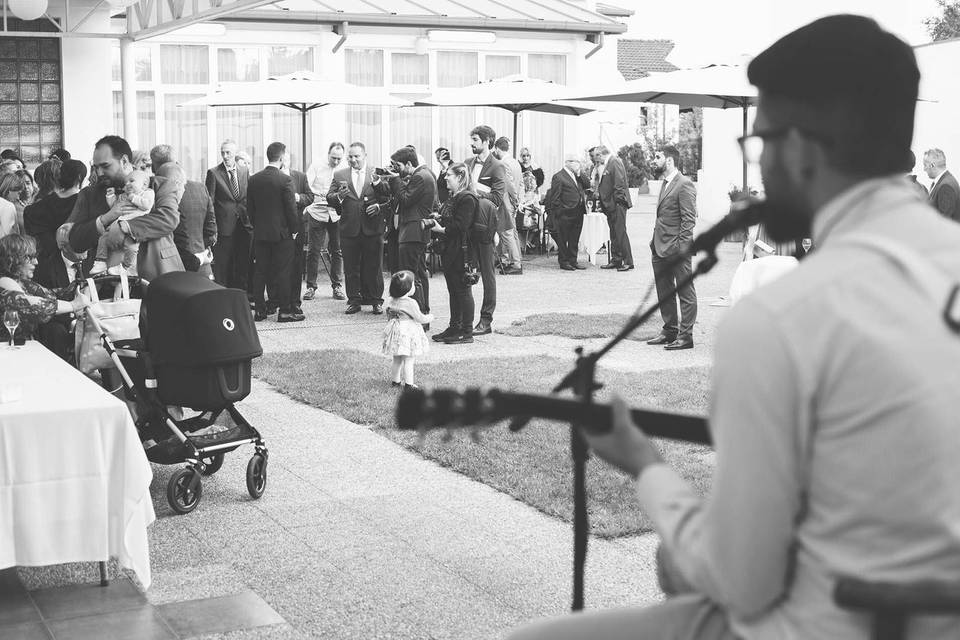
point(470, 275)
point(380, 171)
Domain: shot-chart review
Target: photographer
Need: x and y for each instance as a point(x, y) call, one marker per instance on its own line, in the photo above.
point(455, 223)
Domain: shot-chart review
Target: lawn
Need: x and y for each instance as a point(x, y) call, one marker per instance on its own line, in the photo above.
point(578, 326)
point(532, 466)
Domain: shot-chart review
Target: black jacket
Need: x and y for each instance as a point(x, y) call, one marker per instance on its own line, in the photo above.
point(272, 206)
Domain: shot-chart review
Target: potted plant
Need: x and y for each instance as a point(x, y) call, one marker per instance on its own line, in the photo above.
point(635, 164)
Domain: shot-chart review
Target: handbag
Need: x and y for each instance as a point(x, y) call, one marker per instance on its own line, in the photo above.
point(119, 319)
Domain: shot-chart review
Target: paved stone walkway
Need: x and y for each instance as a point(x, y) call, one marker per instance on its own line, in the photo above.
point(357, 537)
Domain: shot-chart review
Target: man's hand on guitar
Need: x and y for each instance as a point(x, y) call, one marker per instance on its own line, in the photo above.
point(624, 446)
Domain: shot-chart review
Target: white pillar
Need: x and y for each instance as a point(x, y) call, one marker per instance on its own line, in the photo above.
point(128, 92)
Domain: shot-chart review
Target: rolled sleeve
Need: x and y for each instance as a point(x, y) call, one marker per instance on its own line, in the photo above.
point(735, 546)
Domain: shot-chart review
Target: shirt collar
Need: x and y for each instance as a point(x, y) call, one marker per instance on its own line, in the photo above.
point(848, 207)
point(668, 178)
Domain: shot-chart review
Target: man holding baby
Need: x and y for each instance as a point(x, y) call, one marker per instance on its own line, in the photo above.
point(94, 216)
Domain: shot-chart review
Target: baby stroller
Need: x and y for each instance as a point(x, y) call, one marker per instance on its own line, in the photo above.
point(197, 340)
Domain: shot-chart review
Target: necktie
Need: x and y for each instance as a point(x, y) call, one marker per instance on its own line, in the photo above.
point(234, 186)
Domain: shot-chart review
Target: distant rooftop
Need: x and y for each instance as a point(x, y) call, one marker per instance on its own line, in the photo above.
point(640, 58)
point(613, 12)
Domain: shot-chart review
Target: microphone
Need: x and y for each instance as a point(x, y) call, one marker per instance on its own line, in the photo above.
point(744, 213)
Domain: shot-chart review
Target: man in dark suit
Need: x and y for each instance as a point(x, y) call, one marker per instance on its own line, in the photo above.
point(272, 208)
point(567, 202)
point(93, 217)
point(614, 199)
point(227, 185)
point(490, 181)
point(361, 209)
point(197, 231)
point(304, 197)
point(672, 234)
point(945, 192)
point(413, 189)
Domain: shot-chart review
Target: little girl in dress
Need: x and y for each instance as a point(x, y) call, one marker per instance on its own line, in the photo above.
point(404, 338)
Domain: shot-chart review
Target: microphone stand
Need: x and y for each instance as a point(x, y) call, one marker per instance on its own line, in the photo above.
point(582, 381)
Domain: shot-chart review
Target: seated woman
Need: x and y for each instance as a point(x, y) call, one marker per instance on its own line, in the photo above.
point(36, 305)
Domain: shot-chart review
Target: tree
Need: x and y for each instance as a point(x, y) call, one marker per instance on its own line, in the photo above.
point(635, 164)
point(947, 25)
point(691, 141)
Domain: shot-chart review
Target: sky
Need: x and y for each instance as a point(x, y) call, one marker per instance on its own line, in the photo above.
point(707, 31)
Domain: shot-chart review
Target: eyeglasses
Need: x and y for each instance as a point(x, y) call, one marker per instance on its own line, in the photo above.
point(752, 145)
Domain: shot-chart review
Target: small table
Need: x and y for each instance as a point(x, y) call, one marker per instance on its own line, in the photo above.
point(595, 234)
point(74, 480)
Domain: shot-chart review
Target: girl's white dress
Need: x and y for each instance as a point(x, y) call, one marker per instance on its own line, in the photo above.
point(404, 335)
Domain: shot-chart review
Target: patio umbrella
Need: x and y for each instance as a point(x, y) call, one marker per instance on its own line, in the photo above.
point(514, 93)
point(718, 86)
point(301, 91)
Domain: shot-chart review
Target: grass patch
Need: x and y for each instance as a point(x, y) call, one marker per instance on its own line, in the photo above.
point(578, 326)
point(534, 465)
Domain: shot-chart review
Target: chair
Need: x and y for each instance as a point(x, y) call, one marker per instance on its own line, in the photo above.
point(890, 604)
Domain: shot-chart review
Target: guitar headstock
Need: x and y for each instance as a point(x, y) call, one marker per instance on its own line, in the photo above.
point(446, 408)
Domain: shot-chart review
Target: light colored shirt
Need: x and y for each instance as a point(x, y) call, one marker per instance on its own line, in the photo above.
point(69, 266)
point(319, 178)
point(8, 217)
point(836, 421)
point(357, 175)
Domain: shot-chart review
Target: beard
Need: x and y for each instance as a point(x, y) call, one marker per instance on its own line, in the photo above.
point(785, 220)
point(658, 172)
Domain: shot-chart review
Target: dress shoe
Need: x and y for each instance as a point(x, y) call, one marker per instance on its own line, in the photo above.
point(662, 339)
point(352, 308)
point(579, 267)
point(377, 309)
point(459, 338)
point(625, 267)
point(396, 384)
point(309, 293)
point(443, 335)
point(513, 271)
point(611, 265)
point(338, 293)
point(568, 267)
point(271, 309)
point(426, 327)
point(293, 316)
point(297, 309)
point(482, 329)
point(260, 316)
point(679, 343)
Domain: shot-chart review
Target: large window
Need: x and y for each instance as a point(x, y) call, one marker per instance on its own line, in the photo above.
point(184, 64)
point(284, 60)
point(186, 131)
point(143, 69)
point(363, 125)
point(243, 125)
point(496, 67)
point(287, 127)
point(546, 129)
point(30, 117)
point(146, 117)
point(364, 67)
point(238, 65)
point(410, 68)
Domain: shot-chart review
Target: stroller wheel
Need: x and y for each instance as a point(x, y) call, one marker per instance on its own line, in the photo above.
point(212, 464)
point(180, 495)
point(257, 475)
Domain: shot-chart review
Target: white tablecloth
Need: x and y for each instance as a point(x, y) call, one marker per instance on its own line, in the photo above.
point(74, 480)
point(595, 233)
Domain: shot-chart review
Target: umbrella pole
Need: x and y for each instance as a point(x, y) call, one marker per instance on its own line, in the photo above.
point(744, 157)
point(516, 114)
point(303, 146)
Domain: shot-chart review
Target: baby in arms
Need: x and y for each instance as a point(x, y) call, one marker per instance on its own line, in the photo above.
point(135, 201)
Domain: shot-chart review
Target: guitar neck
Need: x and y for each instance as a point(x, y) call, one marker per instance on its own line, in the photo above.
point(597, 418)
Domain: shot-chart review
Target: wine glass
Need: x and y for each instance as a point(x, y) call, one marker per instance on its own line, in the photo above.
point(11, 320)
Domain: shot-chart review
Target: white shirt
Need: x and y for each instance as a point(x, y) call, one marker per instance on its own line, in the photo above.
point(668, 177)
point(319, 179)
point(357, 175)
point(8, 217)
point(835, 420)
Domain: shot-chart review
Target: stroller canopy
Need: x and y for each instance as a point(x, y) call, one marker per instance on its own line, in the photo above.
point(190, 321)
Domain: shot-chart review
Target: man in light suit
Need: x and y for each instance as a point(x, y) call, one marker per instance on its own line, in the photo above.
point(510, 246)
point(566, 201)
point(672, 234)
point(945, 191)
point(412, 188)
point(93, 217)
point(227, 185)
point(361, 209)
point(272, 207)
point(614, 199)
point(197, 229)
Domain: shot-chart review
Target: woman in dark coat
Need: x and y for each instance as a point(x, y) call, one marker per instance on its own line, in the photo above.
point(457, 217)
